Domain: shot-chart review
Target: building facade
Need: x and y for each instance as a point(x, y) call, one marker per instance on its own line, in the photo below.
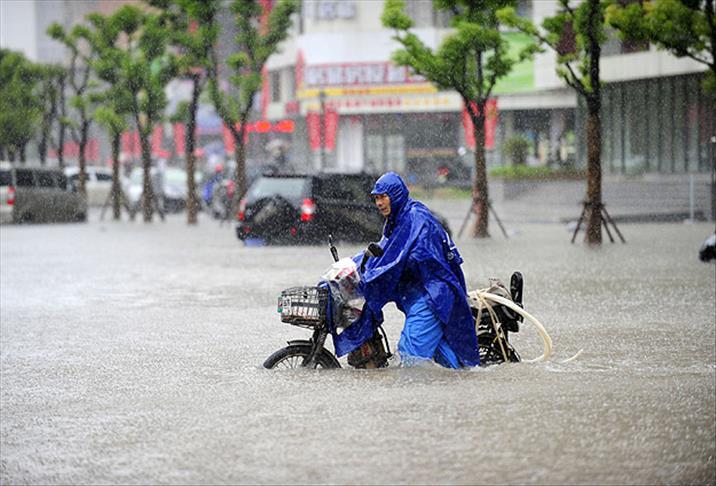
point(377, 116)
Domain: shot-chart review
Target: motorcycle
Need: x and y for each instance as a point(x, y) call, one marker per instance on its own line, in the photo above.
point(334, 305)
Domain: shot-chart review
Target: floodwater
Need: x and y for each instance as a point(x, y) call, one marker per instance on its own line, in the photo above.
point(131, 354)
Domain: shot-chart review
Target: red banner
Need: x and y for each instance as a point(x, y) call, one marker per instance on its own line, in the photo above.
point(328, 133)
point(72, 149)
point(179, 134)
point(491, 116)
point(130, 143)
point(157, 135)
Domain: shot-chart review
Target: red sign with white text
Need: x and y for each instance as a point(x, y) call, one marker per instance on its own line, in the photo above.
point(327, 133)
point(490, 125)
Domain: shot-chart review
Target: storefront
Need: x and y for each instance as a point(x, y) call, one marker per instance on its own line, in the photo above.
point(660, 125)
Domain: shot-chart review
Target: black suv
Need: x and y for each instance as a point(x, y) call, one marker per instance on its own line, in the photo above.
point(307, 208)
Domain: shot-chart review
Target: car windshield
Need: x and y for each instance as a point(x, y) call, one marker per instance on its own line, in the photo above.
point(291, 188)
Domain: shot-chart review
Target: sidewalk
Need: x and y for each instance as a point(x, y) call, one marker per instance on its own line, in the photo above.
point(653, 198)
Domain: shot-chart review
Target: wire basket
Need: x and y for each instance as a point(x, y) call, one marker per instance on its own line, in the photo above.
point(303, 306)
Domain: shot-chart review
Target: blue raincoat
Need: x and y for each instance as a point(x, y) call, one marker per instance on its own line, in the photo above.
point(420, 266)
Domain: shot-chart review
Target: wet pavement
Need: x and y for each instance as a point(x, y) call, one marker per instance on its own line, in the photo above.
point(131, 354)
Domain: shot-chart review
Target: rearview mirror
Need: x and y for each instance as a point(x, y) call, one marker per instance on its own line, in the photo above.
point(374, 250)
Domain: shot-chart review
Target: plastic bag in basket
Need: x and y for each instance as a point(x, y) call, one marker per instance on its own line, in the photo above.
point(343, 279)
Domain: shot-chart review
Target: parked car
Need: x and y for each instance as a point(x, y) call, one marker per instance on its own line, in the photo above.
point(170, 185)
point(98, 183)
point(35, 194)
point(292, 208)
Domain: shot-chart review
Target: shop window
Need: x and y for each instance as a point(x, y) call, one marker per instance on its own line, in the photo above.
point(666, 112)
point(679, 136)
point(635, 129)
point(421, 11)
point(692, 123)
point(617, 124)
point(291, 83)
point(275, 85)
point(374, 153)
point(654, 125)
point(395, 152)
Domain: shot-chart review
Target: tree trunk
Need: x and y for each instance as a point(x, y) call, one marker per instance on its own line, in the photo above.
point(594, 179)
point(593, 234)
point(83, 158)
point(240, 174)
point(192, 201)
point(148, 189)
point(480, 195)
point(116, 188)
point(61, 125)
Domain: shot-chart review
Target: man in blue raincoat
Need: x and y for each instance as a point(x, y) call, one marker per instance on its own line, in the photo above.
point(420, 271)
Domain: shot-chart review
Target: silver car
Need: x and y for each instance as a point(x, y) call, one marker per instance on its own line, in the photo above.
point(35, 194)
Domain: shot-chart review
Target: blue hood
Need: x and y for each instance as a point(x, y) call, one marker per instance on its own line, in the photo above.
point(391, 184)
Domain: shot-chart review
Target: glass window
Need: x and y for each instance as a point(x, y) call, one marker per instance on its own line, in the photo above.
point(692, 123)
point(44, 179)
point(421, 11)
point(666, 125)
point(25, 178)
point(607, 131)
point(679, 135)
point(635, 129)
point(275, 84)
point(291, 188)
point(5, 178)
point(616, 160)
point(395, 152)
point(345, 188)
point(654, 125)
point(61, 180)
point(374, 153)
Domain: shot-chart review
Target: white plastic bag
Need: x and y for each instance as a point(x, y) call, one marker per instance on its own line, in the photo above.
point(344, 279)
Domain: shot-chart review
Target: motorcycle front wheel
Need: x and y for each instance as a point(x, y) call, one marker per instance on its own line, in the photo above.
point(291, 357)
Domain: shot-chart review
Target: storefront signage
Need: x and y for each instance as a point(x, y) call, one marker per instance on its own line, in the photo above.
point(357, 74)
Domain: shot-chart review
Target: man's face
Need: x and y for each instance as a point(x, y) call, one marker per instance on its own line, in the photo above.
point(382, 202)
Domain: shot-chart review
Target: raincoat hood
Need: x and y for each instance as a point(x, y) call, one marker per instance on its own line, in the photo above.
point(391, 184)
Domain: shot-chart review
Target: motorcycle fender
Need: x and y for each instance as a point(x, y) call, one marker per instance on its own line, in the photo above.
point(324, 351)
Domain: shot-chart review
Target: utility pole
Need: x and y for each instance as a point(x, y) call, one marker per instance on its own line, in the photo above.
point(322, 129)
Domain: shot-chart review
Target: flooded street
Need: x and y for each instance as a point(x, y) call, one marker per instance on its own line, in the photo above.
point(131, 354)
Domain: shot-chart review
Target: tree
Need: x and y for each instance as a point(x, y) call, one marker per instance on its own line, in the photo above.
point(255, 41)
point(138, 63)
point(576, 34)
point(84, 97)
point(685, 28)
point(470, 60)
point(116, 100)
point(52, 79)
point(20, 107)
point(194, 33)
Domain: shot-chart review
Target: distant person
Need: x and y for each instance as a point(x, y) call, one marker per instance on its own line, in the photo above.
point(707, 252)
point(420, 272)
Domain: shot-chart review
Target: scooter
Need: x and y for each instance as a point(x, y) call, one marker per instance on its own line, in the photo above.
point(334, 304)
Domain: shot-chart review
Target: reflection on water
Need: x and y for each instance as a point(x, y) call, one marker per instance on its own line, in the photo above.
point(132, 354)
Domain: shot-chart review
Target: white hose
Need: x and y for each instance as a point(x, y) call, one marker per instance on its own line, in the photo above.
point(546, 340)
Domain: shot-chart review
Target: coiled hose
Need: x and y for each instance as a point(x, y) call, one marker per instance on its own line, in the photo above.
point(482, 296)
